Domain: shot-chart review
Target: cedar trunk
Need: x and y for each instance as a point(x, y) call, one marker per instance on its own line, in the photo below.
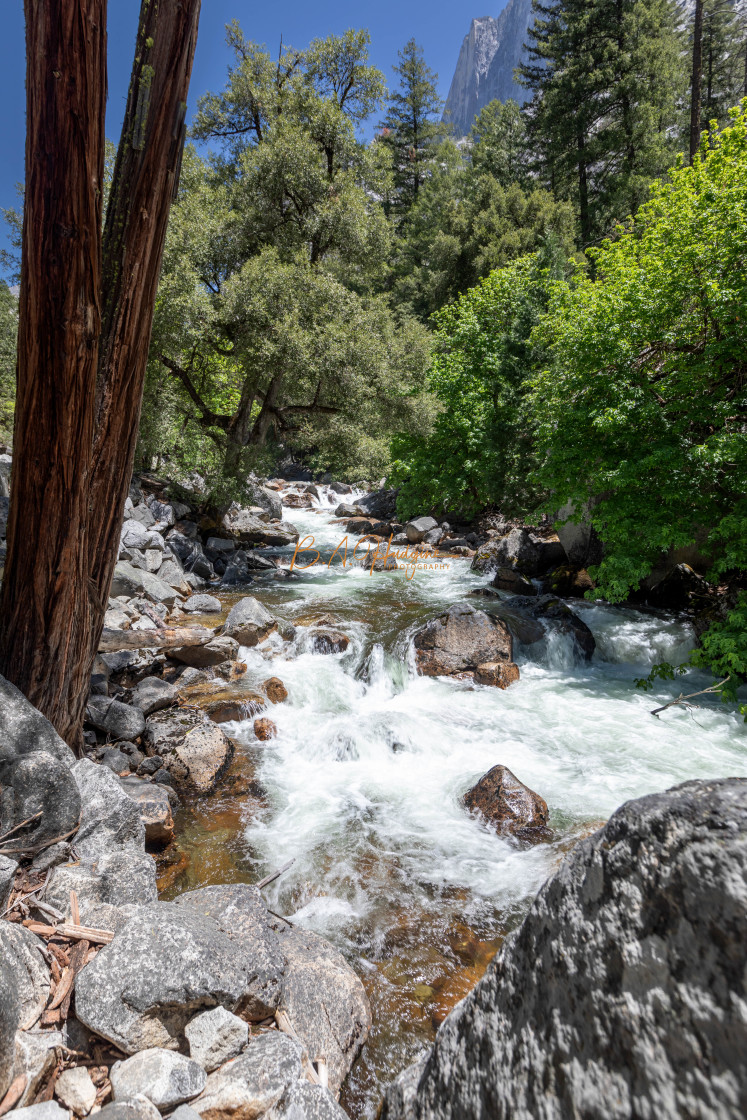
point(84, 331)
point(696, 79)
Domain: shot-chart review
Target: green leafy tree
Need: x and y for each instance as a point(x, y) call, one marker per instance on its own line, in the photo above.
point(482, 447)
point(606, 77)
point(267, 324)
point(642, 402)
point(412, 127)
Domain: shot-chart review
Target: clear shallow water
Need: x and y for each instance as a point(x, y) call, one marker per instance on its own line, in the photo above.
point(363, 783)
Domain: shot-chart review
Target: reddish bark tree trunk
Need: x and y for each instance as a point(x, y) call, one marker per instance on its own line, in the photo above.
point(696, 80)
point(84, 332)
point(45, 611)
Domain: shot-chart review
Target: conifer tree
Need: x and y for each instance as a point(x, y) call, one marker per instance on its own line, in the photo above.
point(605, 77)
point(412, 127)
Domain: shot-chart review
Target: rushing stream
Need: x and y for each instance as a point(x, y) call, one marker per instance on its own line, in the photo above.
point(362, 786)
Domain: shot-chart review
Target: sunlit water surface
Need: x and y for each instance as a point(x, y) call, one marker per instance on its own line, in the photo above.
point(362, 785)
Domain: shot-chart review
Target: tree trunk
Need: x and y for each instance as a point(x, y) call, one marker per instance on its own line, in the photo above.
point(84, 331)
point(46, 611)
point(695, 80)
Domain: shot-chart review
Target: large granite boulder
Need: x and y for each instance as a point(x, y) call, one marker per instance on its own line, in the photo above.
point(132, 582)
point(622, 993)
point(250, 1085)
point(113, 867)
point(34, 772)
point(168, 963)
point(459, 640)
point(531, 554)
point(10, 1017)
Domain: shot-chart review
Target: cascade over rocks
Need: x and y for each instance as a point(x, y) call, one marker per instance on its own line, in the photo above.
point(505, 802)
point(555, 611)
point(622, 991)
point(460, 640)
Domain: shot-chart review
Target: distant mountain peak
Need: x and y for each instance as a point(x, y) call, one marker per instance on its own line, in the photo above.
point(491, 51)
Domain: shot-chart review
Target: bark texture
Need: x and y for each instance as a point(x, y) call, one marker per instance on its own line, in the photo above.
point(45, 611)
point(86, 313)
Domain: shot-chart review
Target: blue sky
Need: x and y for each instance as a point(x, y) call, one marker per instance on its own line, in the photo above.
point(438, 25)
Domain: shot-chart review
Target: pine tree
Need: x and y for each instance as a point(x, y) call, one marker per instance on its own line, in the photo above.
point(718, 62)
point(605, 77)
point(411, 128)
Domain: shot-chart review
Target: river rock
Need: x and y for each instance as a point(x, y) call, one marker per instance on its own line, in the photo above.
point(10, 1016)
point(204, 604)
point(267, 500)
point(305, 1101)
point(23, 953)
point(249, 622)
point(622, 992)
point(134, 535)
point(347, 509)
point(155, 810)
point(418, 529)
point(37, 1052)
point(8, 868)
point(165, 1078)
point(153, 694)
point(142, 514)
point(265, 729)
point(193, 748)
point(136, 1108)
point(215, 1037)
point(76, 1090)
point(459, 640)
point(115, 760)
point(505, 802)
point(328, 641)
point(569, 581)
point(324, 1000)
point(48, 1110)
point(239, 910)
point(499, 674)
point(211, 654)
point(509, 579)
point(168, 963)
point(250, 1085)
point(115, 718)
point(274, 690)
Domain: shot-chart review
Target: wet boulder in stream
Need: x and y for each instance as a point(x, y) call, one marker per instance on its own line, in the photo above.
point(546, 608)
point(510, 806)
point(461, 639)
point(248, 622)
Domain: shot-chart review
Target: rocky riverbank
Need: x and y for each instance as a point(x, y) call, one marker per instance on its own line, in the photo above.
point(210, 1002)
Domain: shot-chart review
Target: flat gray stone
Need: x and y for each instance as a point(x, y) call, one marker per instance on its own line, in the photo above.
point(214, 652)
point(194, 749)
point(50, 1110)
point(305, 1101)
point(204, 604)
point(136, 1108)
point(215, 1036)
point(162, 1076)
point(37, 1052)
point(132, 581)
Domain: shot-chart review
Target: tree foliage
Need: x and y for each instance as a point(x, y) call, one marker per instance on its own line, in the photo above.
point(8, 338)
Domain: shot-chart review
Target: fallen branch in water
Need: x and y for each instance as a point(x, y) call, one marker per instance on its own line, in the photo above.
point(275, 875)
point(714, 688)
